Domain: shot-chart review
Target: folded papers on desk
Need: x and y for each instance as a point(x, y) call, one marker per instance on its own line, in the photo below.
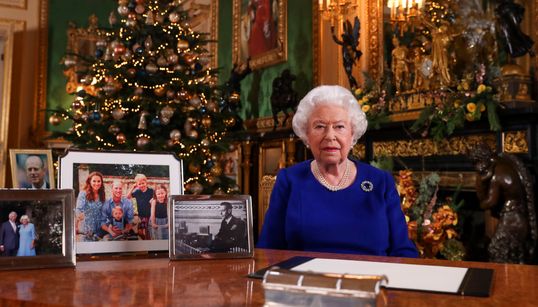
point(442, 279)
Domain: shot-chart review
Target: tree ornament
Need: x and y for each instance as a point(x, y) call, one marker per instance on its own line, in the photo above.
point(234, 98)
point(212, 106)
point(150, 20)
point(194, 167)
point(142, 123)
point(118, 113)
point(175, 135)
point(189, 58)
point(216, 170)
point(131, 72)
point(148, 42)
point(205, 142)
point(195, 101)
point(140, 9)
point(95, 116)
point(229, 122)
point(139, 91)
point(151, 68)
point(218, 191)
point(55, 120)
point(141, 2)
point(142, 141)
point(166, 114)
point(193, 134)
point(160, 91)
point(185, 24)
point(183, 94)
point(127, 55)
point(130, 23)
point(172, 58)
point(179, 68)
point(174, 17)
point(170, 143)
point(206, 121)
point(156, 122)
point(195, 187)
point(182, 44)
point(211, 180)
point(123, 10)
point(109, 89)
point(162, 62)
point(121, 138)
point(77, 104)
point(113, 129)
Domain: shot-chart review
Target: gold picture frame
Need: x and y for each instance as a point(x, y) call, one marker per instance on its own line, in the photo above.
point(260, 32)
point(22, 177)
point(19, 4)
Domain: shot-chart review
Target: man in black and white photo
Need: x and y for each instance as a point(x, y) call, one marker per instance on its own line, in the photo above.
point(232, 232)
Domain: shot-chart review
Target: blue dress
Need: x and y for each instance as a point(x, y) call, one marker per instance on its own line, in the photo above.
point(92, 214)
point(26, 236)
point(304, 215)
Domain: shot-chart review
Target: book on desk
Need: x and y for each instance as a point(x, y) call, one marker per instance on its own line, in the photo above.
point(428, 278)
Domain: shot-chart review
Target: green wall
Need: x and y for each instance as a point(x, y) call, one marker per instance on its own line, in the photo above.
point(256, 88)
point(61, 12)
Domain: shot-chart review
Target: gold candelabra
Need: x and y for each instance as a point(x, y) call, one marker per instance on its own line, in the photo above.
point(404, 12)
point(335, 10)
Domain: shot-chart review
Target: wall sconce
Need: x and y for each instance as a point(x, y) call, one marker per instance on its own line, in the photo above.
point(335, 10)
point(404, 12)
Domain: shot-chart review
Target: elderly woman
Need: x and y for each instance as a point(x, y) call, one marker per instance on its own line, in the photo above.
point(332, 203)
point(27, 237)
point(88, 210)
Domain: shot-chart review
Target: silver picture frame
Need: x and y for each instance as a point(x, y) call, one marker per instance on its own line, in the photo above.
point(210, 226)
point(50, 214)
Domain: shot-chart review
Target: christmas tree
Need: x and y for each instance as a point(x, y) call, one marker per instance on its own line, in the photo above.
point(148, 87)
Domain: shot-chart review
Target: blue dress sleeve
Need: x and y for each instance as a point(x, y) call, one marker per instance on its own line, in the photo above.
point(400, 244)
point(273, 234)
point(32, 232)
point(81, 202)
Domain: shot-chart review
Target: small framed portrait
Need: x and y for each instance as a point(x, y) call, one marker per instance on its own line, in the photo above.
point(210, 226)
point(121, 198)
point(32, 168)
point(36, 229)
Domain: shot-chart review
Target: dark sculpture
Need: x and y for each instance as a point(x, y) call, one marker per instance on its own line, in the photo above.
point(283, 96)
point(509, 17)
point(350, 48)
point(238, 73)
point(504, 186)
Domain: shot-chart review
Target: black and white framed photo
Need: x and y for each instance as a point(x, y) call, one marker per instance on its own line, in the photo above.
point(32, 168)
point(211, 226)
point(121, 198)
point(36, 229)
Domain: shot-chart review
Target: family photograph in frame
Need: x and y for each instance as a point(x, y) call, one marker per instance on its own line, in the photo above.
point(211, 226)
point(36, 229)
point(259, 32)
point(121, 198)
point(32, 168)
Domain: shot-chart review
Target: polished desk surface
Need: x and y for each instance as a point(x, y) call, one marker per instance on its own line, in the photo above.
point(160, 282)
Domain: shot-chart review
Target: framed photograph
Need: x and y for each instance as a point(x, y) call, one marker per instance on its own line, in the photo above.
point(210, 226)
point(121, 198)
point(230, 162)
point(32, 168)
point(36, 229)
point(260, 32)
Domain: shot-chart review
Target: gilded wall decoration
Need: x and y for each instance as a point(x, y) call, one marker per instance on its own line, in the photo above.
point(359, 150)
point(427, 147)
point(515, 142)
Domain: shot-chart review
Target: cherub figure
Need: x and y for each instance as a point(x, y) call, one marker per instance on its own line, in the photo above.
point(441, 40)
point(400, 68)
point(350, 48)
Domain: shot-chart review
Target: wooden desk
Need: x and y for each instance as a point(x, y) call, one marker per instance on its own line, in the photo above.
point(160, 282)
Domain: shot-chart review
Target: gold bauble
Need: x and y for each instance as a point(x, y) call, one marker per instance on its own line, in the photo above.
point(229, 122)
point(121, 138)
point(216, 170)
point(212, 106)
point(118, 113)
point(235, 98)
point(160, 91)
point(194, 167)
point(182, 44)
point(114, 129)
point(193, 134)
point(206, 121)
point(55, 120)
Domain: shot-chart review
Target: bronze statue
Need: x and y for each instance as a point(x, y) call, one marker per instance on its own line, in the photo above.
point(238, 73)
point(283, 96)
point(504, 186)
point(399, 65)
point(509, 17)
point(350, 48)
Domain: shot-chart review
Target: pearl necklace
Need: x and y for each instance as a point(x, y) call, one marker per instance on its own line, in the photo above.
point(341, 185)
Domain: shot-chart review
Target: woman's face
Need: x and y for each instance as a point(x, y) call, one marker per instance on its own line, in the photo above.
point(24, 221)
point(161, 195)
point(329, 134)
point(96, 183)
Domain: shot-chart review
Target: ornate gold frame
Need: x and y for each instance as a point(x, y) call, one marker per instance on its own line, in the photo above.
point(7, 30)
point(273, 56)
point(19, 4)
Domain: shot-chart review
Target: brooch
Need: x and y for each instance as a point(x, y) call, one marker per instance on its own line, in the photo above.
point(367, 186)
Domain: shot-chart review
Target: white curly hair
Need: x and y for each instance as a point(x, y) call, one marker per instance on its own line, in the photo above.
point(332, 95)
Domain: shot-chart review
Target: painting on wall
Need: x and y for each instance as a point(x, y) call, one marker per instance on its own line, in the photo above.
point(203, 17)
point(259, 32)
